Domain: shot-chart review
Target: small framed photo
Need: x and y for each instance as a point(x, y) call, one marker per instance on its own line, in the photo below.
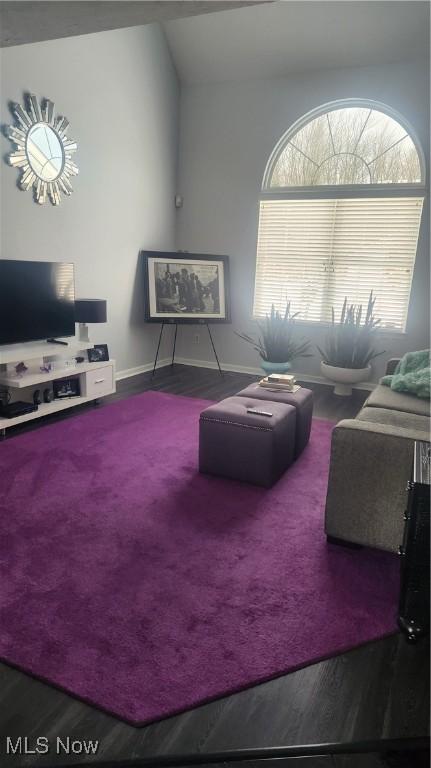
point(66, 388)
point(98, 354)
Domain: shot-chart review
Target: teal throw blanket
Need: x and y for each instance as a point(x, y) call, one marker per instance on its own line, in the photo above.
point(412, 375)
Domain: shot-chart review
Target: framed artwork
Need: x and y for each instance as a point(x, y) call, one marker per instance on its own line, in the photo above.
point(98, 353)
point(186, 287)
point(63, 388)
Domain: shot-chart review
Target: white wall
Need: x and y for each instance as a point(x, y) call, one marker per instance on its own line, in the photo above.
point(120, 93)
point(228, 131)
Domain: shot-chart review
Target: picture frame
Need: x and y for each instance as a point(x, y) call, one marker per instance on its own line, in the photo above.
point(97, 354)
point(65, 388)
point(181, 287)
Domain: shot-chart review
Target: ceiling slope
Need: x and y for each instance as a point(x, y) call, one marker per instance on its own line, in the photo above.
point(31, 22)
point(288, 37)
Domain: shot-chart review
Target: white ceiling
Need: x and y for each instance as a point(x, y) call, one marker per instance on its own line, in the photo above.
point(285, 37)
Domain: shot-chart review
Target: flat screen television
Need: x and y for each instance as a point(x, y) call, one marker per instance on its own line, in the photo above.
point(37, 300)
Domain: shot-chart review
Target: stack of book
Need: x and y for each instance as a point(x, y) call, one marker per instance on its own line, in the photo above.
point(284, 382)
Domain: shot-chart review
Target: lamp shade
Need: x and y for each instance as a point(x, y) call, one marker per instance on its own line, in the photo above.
point(90, 310)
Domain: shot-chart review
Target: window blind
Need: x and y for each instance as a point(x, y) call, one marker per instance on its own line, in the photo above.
point(314, 252)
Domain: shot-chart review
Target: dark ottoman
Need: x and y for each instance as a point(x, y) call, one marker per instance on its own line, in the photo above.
point(302, 400)
point(245, 446)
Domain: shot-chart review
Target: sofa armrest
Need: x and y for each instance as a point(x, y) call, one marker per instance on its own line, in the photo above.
point(384, 430)
point(370, 466)
point(391, 365)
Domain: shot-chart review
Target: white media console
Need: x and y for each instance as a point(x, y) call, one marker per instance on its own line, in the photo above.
point(96, 380)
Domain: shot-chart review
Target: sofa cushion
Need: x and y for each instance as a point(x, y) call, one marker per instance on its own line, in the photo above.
point(398, 419)
point(384, 397)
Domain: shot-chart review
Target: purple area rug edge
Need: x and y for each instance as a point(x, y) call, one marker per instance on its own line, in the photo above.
point(144, 588)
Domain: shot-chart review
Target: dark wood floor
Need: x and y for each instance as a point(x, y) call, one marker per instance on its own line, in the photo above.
point(377, 691)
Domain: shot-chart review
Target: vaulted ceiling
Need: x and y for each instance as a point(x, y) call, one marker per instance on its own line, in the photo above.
point(289, 37)
point(30, 22)
point(214, 41)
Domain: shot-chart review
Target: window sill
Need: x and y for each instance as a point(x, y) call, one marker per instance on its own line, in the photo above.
point(324, 325)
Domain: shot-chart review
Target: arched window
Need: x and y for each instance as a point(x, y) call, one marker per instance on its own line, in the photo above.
point(340, 214)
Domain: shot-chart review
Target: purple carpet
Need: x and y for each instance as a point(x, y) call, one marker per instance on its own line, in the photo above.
point(144, 588)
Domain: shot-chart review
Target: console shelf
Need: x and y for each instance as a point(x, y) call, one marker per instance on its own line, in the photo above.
point(33, 378)
point(44, 409)
point(15, 353)
point(96, 380)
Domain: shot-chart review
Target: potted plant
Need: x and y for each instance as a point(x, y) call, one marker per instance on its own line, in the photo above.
point(275, 343)
point(349, 349)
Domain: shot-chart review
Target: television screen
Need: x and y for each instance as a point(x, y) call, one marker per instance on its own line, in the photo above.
point(37, 300)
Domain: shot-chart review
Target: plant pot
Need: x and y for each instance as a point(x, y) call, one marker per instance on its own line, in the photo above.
point(274, 367)
point(344, 377)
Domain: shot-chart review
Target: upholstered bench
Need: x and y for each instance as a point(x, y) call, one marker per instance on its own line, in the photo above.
point(301, 400)
point(245, 446)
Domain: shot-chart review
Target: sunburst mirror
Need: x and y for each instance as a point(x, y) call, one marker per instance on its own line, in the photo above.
point(43, 152)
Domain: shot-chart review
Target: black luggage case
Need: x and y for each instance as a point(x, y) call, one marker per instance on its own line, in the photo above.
point(414, 607)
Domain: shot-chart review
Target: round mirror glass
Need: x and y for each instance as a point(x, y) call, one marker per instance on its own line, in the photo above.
point(44, 152)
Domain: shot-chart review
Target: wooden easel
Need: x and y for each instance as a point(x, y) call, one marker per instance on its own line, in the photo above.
point(175, 342)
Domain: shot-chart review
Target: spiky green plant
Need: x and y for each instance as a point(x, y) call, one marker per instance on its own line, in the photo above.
point(349, 343)
point(275, 342)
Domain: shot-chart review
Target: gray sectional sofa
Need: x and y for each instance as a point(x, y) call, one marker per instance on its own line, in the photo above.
point(371, 463)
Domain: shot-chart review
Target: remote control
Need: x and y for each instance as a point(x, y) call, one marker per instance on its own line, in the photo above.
point(258, 413)
point(57, 341)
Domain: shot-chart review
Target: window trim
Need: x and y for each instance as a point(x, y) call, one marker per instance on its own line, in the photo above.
point(340, 191)
point(323, 109)
point(326, 325)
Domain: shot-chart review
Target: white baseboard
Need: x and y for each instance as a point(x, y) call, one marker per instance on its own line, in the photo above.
point(368, 386)
point(128, 372)
point(213, 364)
